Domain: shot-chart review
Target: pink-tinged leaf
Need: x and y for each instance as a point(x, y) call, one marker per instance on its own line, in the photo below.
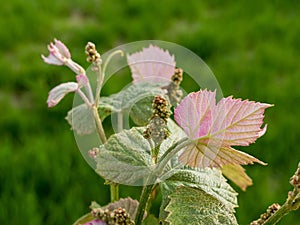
point(152, 64)
point(209, 155)
point(217, 127)
point(59, 92)
point(194, 113)
point(237, 174)
point(237, 122)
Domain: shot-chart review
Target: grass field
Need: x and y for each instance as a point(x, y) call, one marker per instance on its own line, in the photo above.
point(251, 46)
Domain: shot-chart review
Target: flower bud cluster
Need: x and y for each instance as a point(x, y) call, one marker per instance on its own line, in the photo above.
point(92, 55)
point(157, 127)
point(173, 89)
point(118, 216)
point(295, 179)
point(93, 152)
point(263, 217)
point(177, 77)
point(161, 108)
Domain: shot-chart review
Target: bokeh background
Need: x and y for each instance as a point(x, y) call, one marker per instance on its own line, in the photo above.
point(251, 46)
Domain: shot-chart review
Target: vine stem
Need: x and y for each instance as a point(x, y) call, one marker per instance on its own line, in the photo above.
point(145, 196)
point(290, 205)
point(101, 74)
point(285, 209)
point(114, 187)
point(89, 92)
point(120, 122)
point(147, 190)
point(83, 97)
point(100, 78)
point(99, 126)
point(169, 154)
point(114, 192)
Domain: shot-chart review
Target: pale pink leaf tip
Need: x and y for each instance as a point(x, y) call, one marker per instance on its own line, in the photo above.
point(151, 64)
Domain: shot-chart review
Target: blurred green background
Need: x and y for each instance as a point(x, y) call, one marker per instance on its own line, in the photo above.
point(251, 46)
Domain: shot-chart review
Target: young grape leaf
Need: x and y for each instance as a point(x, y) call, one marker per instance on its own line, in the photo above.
point(106, 107)
point(125, 158)
point(216, 127)
point(136, 99)
point(81, 119)
point(208, 180)
point(141, 111)
point(152, 64)
point(195, 207)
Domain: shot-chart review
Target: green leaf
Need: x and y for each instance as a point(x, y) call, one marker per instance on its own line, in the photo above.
point(195, 207)
point(136, 99)
point(125, 158)
point(208, 180)
point(150, 220)
point(81, 119)
point(142, 110)
point(105, 107)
